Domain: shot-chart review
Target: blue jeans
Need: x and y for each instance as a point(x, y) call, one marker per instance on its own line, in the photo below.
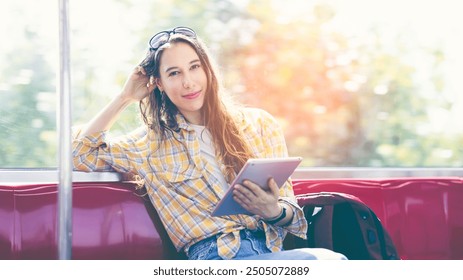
point(253, 248)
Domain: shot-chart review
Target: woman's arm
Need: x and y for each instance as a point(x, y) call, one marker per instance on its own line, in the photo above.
point(91, 151)
point(137, 87)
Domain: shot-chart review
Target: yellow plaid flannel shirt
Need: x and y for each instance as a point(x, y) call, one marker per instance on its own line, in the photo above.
point(182, 186)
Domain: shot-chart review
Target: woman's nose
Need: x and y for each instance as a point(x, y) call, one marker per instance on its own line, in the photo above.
point(186, 82)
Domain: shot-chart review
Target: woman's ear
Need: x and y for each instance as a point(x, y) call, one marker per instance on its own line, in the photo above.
point(159, 84)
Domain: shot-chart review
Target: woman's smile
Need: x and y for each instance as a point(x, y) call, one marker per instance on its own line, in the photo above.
point(192, 95)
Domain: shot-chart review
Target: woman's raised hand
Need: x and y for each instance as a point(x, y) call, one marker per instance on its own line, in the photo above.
point(138, 85)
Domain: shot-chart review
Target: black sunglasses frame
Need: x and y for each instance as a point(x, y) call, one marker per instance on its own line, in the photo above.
point(163, 37)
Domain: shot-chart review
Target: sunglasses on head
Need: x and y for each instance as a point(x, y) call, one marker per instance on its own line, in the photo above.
point(163, 37)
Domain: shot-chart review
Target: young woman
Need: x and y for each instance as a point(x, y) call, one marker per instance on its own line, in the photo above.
point(193, 143)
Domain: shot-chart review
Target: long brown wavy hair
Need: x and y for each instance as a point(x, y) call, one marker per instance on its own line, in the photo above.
point(159, 113)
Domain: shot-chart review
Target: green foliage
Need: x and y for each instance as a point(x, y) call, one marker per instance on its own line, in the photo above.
point(342, 100)
point(27, 119)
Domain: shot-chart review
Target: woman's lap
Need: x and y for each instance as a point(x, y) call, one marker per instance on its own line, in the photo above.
point(253, 248)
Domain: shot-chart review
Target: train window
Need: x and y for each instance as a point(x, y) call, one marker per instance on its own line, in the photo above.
point(354, 83)
point(28, 54)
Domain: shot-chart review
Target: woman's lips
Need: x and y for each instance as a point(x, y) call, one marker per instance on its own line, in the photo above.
point(192, 95)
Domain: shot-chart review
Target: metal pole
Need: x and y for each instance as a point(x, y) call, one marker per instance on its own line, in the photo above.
point(64, 140)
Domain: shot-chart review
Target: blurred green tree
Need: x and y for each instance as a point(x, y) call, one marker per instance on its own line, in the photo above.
point(342, 100)
point(27, 108)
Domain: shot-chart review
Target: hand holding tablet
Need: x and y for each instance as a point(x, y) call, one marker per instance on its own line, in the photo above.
point(258, 171)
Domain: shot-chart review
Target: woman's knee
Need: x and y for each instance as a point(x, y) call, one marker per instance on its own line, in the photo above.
point(319, 254)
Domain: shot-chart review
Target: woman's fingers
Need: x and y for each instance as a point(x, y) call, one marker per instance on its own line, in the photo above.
point(151, 83)
point(243, 193)
point(255, 199)
point(139, 69)
point(273, 187)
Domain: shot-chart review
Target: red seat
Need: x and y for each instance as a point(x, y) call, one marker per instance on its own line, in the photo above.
point(110, 221)
point(424, 217)
point(6, 222)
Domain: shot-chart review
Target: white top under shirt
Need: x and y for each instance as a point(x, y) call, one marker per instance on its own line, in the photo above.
point(208, 152)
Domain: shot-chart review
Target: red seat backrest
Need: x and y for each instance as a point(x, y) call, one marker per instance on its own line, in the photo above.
point(110, 221)
point(424, 216)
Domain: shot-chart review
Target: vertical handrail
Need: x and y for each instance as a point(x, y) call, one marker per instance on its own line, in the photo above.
point(64, 140)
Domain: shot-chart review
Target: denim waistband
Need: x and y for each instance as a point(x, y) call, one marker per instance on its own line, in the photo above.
point(244, 233)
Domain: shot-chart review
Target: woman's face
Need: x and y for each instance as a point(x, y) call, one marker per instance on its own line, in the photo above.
point(183, 79)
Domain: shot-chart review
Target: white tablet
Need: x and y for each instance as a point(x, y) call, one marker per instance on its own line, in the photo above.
point(258, 171)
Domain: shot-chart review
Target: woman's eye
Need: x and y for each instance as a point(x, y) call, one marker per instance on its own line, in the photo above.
point(195, 66)
point(173, 73)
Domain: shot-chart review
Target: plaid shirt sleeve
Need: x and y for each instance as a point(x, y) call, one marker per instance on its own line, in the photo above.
point(94, 153)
